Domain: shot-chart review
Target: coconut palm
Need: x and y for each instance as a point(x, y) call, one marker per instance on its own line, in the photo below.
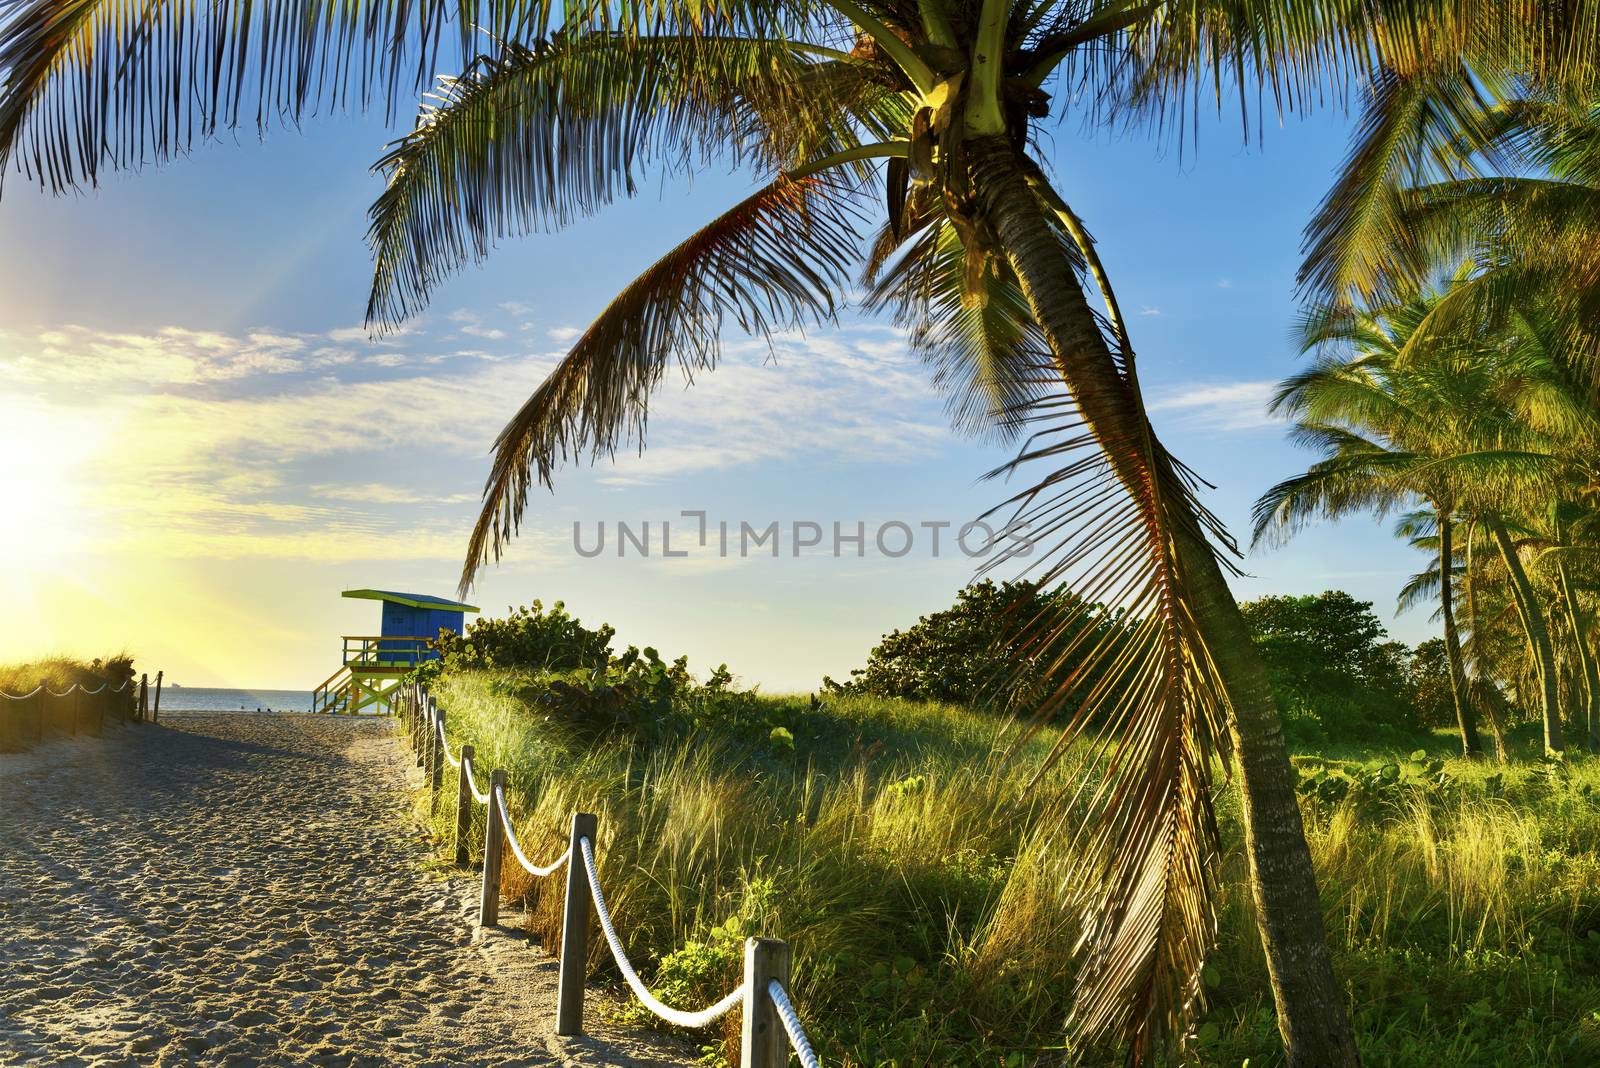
point(1384, 449)
point(930, 109)
point(1457, 161)
point(1478, 426)
point(1433, 531)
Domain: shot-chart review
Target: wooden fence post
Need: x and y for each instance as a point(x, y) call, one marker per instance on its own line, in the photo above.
point(761, 1042)
point(155, 712)
point(419, 723)
point(144, 697)
point(463, 809)
point(439, 756)
point(77, 706)
point(493, 839)
point(575, 930)
point(38, 712)
point(433, 756)
point(422, 728)
point(430, 739)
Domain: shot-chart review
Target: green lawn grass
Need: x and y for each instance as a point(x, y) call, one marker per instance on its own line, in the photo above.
point(897, 848)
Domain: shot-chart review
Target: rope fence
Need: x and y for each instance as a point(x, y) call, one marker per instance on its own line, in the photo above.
point(27, 717)
point(771, 1026)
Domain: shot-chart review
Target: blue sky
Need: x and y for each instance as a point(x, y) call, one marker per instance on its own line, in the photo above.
point(211, 448)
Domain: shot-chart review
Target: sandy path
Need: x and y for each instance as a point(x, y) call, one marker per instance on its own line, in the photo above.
point(246, 889)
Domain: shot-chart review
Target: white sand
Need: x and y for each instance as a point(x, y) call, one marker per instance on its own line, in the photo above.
point(245, 889)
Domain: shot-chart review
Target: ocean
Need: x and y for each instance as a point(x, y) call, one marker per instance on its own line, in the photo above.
point(206, 699)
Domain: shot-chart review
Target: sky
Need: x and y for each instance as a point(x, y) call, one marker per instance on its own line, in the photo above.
point(202, 446)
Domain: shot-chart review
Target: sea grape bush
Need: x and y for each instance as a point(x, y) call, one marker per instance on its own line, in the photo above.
point(567, 673)
point(528, 638)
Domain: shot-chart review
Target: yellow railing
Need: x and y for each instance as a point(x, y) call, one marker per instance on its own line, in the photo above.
point(386, 650)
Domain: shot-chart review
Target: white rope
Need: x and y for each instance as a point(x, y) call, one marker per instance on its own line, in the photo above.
point(666, 1012)
point(516, 846)
point(791, 1024)
point(455, 762)
point(68, 692)
point(480, 796)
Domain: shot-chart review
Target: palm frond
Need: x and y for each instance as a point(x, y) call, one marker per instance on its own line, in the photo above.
point(531, 138)
point(1421, 589)
point(87, 85)
point(988, 356)
point(1332, 489)
point(1357, 246)
point(1130, 675)
point(772, 261)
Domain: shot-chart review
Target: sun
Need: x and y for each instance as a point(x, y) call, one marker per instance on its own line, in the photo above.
point(46, 455)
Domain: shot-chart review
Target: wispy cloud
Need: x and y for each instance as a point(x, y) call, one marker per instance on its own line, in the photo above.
point(1224, 283)
point(563, 333)
point(281, 445)
point(1150, 311)
point(1219, 406)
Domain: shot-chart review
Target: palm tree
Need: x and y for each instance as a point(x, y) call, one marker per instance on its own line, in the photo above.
point(1476, 424)
point(1433, 532)
point(1384, 448)
point(980, 252)
point(1569, 521)
point(1482, 648)
point(1455, 160)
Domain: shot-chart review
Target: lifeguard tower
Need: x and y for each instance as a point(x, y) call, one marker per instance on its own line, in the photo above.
point(371, 665)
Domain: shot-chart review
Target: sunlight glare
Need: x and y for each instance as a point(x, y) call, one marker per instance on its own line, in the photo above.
point(43, 493)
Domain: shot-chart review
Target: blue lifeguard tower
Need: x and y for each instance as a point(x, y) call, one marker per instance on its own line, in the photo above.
point(371, 664)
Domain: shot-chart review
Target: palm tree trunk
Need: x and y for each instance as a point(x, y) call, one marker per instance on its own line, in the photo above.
point(1497, 725)
point(1585, 656)
point(1471, 744)
point(1538, 633)
point(1311, 1010)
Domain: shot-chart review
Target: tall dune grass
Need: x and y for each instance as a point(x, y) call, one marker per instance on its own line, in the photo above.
point(60, 672)
point(18, 718)
point(924, 888)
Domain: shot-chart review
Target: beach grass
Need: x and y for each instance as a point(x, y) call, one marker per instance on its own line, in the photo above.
point(58, 674)
point(925, 887)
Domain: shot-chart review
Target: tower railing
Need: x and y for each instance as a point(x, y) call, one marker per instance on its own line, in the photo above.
point(386, 650)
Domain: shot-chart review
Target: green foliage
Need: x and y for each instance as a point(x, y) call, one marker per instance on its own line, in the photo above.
point(529, 638)
point(565, 673)
point(982, 650)
point(1429, 690)
point(1333, 670)
point(898, 853)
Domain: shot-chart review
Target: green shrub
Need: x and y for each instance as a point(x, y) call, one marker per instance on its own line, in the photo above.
point(565, 674)
point(1330, 659)
point(983, 649)
point(528, 638)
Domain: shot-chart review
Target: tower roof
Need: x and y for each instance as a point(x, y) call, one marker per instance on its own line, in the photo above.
point(413, 600)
